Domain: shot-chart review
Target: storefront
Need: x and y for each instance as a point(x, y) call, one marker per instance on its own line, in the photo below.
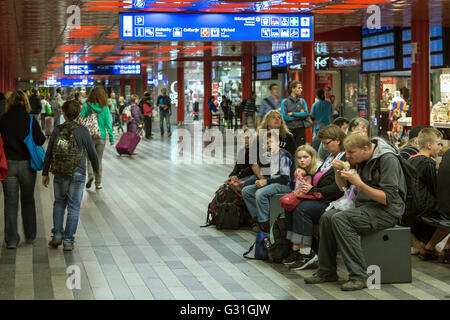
point(391, 104)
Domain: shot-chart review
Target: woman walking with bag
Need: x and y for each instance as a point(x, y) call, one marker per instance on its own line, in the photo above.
point(295, 112)
point(96, 107)
point(14, 128)
point(136, 116)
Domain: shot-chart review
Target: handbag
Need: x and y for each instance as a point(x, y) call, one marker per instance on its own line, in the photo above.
point(308, 123)
point(37, 153)
point(289, 202)
point(91, 123)
point(3, 162)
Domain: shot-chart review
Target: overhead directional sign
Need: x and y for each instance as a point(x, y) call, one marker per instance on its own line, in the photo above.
point(212, 26)
point(69, 82)
point(101, 69)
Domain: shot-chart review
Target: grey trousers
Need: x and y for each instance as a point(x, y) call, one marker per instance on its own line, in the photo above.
point(99, 145)
point(341, 230)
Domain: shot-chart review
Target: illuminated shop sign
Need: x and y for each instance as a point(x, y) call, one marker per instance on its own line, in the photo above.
point(214, 26)
point(101, 69)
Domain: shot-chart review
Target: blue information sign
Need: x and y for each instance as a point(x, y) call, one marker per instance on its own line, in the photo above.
point(101, 69)
point(212, 26)
point(69, 82)
point(281, 59)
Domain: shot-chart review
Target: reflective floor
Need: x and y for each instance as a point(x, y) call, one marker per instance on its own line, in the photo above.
point(140, 238)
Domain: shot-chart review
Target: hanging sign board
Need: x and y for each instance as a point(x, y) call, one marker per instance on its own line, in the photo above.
point(101, 69)
point(212, 26)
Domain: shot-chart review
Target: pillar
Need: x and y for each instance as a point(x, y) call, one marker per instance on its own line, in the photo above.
point(132, 86)
point(122, 87)
point(144, 80)
point(180, 90)
point(2, 73)
point(246, 66)
point(420, 69)
point(207, 83)
point(309, 79)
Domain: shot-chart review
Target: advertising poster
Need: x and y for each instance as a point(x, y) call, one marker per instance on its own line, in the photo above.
point(362, 106)
point(325, 82)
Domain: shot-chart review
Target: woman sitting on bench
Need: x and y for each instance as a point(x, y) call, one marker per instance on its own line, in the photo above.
point(308, 212)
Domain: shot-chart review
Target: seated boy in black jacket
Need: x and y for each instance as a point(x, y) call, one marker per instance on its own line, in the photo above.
point(424, 237)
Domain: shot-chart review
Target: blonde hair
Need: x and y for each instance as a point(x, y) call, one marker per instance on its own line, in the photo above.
point(121, 99)
point(133, 98)
point(18, 99)
point(284, 131)
point(312, 168)
point(357, 140)
point(428, 135)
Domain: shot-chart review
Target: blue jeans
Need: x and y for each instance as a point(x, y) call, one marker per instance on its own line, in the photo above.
point(20, 178)
point(164, 115)
point(258, 200)
point(68, 193)
point(250, 181)
point(57, 117)
point(305, 215)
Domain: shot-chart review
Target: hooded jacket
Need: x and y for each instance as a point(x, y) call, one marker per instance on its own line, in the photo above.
point(104, 119)
point(383, 171)
point(443, 189)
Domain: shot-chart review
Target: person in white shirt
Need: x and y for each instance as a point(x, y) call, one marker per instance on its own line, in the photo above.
point(44, 103)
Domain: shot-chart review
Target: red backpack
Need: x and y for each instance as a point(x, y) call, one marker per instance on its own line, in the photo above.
point(148, 110)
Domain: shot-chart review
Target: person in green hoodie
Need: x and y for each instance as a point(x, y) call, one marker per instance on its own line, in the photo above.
point(98, 101)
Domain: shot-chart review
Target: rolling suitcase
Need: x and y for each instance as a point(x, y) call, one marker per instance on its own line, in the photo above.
point(48, 126)
point(128, 143)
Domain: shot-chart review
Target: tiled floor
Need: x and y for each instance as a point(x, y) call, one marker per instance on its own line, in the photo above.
point(140, 238)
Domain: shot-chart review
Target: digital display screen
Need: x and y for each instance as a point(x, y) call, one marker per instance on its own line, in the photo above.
point(216, 26)
point(435, 46)
point(264, 66)
point(260, 59)
point(101, 69)
point(264, 75)
point(378, 65)
point(436, 60)
point(378, 40)
point(281, 59)
point(377, 53)
point(434, 33)
point(69, 82)
point(367, 31)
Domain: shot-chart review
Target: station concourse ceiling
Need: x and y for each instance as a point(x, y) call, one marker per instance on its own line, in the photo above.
point(35, 33)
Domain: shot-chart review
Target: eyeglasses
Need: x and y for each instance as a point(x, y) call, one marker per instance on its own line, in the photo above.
point(327, 143)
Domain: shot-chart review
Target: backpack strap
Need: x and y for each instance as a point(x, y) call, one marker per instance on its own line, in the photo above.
point(267, 100)
point(31, 124)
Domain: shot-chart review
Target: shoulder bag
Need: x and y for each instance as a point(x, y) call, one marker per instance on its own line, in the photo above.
point(37, 153)
point(91, 123)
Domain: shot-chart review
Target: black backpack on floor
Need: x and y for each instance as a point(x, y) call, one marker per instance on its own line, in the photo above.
point(227, 210)
point(280, 247)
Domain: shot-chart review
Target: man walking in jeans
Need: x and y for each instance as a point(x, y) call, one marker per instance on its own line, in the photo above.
point(165, 109)
point(379, 203)
point(68, 189)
